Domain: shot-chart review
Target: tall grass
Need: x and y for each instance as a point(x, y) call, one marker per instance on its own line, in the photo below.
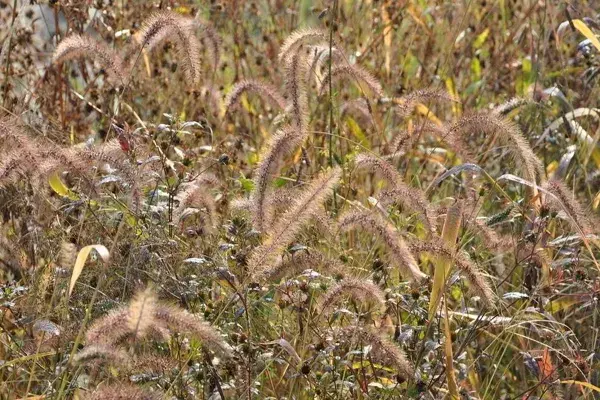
point(296, 200)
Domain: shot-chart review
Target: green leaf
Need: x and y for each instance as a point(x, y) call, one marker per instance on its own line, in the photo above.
point(247, 184)
point(280, 182)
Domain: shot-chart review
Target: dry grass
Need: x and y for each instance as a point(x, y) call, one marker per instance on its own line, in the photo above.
point(298, 200)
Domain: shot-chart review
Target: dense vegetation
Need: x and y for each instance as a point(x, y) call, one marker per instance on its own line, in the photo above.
point(284, 199)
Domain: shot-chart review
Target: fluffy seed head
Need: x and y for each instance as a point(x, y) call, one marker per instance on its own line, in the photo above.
point(399, 252)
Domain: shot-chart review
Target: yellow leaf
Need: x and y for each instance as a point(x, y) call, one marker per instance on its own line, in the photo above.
point(82, 257)
point(596, 201)
point(425, 111)
point(451, 87)
point(60, 188)
point(414, 14)
point(585, 31)
point(584, 384)
point(387, 36)
point(147, 63)
point(562, 304)
point(442, 265)
point(452, 386)
point(552, 167)
point(358, 133)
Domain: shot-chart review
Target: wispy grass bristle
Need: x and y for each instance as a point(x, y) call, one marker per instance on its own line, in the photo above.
point(360, 291)
point(263, 89)
point(400, 254)
point(290, 223)
point(383, 350)
point(298, 38)
point(364, 79)
point(77, 46)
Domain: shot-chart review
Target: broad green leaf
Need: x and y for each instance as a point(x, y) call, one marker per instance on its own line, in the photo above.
point(82, 257)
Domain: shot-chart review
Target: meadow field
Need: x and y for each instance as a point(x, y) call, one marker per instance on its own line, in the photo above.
point(278, 199)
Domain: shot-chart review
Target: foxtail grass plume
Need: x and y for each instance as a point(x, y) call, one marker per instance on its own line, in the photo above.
point(492, 124)
point(361, 291)
point(103, 353)
point(271, 160)
point(479, 283)
point(399, 191)
point(145, 317)
point(359, 110)
point(383, 350)
point(400, 254)
point(295, 86)
point(77, 46)
point(211, 40)
point(298, 262)
point(167, 25)
point(265, 90)
point(122, 391)
point(404, 140)
point(406, 104)
point(363, 78)
point(565, 201)
point(196, 198)
point(289, 224)
point(300, 37)
point(511, 105)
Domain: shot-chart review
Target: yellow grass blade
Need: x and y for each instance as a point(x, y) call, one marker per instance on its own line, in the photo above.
point(452, 386)
point(585, 31)
point(425, 111)
point(580, 383)
point(387, 36)
point(82, 257)
point(451, 88)
point(60, 188)
point(443, 266)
